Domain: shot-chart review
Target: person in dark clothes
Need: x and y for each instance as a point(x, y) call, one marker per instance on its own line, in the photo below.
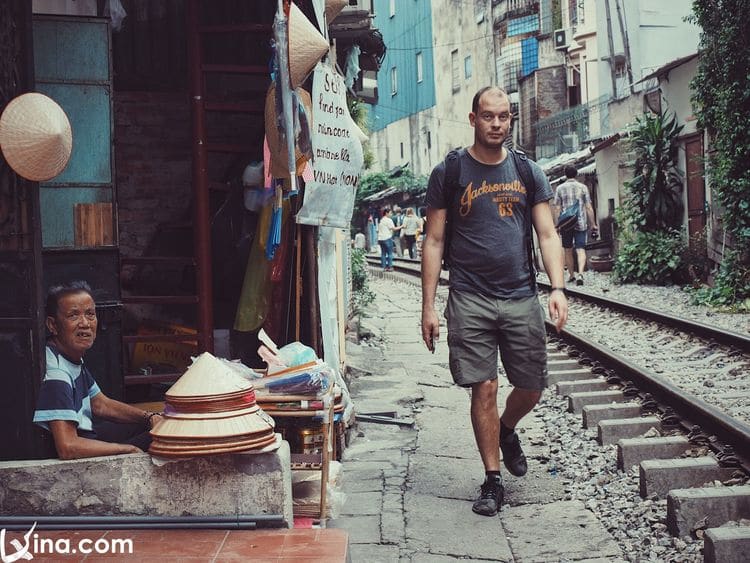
point(492, 301)
point(84, 422)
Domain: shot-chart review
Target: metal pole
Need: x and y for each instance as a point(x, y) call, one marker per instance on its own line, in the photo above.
point(202, 233)
point(611, 51)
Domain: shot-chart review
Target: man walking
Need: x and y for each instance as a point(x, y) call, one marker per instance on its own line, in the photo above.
point(566, 195)
point(386, 228)
point(492, 301)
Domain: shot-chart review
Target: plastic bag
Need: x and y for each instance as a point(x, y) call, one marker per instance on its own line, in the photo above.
point(296, 354)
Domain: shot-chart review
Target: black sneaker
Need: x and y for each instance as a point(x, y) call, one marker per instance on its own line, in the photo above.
point(513, 456)
point(490, 497)
point(579, 280)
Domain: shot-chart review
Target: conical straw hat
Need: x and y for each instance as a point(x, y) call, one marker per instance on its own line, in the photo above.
point(306, 46)
point(207, 377)
point(333, 9)
point(279, 158)
point(35, 137)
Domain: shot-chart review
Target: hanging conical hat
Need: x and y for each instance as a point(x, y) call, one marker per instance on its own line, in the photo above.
point(306, 46)
point(278, 152)
point(35, 137)
point(333, 9)
point(207, 377)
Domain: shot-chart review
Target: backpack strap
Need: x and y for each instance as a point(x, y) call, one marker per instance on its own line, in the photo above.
point(527, 179)
point(451, 186)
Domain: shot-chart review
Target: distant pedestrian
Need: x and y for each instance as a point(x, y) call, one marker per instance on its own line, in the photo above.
point(492, 300)
point(566, 195)
point(398, 220)
point(412, 226)
point(386, 228)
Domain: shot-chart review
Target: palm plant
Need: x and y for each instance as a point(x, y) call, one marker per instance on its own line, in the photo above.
point(656, 189)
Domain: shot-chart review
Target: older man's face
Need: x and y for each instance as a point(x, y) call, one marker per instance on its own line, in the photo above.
point(73, 328)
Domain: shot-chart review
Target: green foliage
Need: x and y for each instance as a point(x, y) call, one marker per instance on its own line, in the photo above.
point(721, 98)
point(374, 182)
point(650, 258)
point(371, 184)
point(362, 294)
point(358, 111)
point(655, 193)
point(731, 286)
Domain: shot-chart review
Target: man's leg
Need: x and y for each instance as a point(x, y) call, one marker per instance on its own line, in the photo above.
point(486, 422)
point(383, 253)
point(581, 254)
point(519, 403)
point(570, 264)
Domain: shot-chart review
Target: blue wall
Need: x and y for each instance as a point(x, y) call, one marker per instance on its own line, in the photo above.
point(405, 34)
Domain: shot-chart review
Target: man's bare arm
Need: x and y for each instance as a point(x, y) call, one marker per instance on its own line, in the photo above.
point(432, 256)
point(70, 445)
point(552, 256)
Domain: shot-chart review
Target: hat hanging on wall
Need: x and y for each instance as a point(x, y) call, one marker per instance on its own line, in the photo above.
point(35, 137)
point(306, 46)
point(279, 158)
point(333, 8)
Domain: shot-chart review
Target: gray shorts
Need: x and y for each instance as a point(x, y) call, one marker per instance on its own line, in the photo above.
point(478, 325)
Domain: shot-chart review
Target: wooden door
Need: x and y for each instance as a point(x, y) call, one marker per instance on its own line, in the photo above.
point(21, 335)
point(696, 186)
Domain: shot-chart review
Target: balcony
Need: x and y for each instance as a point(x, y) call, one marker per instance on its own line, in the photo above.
point(516, 9)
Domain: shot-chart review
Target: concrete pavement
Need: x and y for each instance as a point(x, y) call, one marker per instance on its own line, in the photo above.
point(410, 489)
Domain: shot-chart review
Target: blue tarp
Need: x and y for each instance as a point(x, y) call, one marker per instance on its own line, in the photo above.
point(529, 56)
point(526, 24)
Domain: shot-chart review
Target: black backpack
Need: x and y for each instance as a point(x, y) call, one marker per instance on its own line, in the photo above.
point(453, 189)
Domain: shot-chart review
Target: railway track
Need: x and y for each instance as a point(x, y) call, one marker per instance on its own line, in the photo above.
point(671, 396)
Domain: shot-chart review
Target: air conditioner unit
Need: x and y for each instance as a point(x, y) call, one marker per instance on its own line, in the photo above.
point(560, 38)
point(570, 142)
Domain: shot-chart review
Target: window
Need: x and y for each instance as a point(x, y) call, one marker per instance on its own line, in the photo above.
point(429, 140)
point(467, 67)
point(402, 150)
point(420, 75)
point(455, 75)
point(394, 81)
point(392, 10)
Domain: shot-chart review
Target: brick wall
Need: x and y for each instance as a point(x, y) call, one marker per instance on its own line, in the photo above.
point(551, 91)
point(153, 164)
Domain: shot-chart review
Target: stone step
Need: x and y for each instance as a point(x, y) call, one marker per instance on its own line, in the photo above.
point(576, 401)
point(718, 505)
point(556, 377)
point(610, 431)
point(659, 476)
point(726, 545)
point(593, 414)
point(565, 388)
point(632, 451)
point(557, 365)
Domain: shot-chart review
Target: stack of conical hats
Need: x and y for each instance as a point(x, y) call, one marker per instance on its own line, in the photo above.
point(211, 410)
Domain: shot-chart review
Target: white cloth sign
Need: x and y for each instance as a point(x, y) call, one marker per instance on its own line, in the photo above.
point(337, 155)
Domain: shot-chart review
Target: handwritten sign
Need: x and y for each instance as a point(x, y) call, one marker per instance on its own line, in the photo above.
point(337, 155)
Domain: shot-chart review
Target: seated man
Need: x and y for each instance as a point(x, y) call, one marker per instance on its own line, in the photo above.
point(71, 405)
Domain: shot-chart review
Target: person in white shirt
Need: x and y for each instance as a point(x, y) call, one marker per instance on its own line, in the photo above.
point(386, 228)
point(412, 226)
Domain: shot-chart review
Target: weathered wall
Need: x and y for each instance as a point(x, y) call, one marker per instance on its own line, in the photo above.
point(222, 485)
point(153, 156)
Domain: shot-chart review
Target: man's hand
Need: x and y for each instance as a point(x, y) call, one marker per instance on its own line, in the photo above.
point(558, 309)
point(154, 420)
point(430, 329)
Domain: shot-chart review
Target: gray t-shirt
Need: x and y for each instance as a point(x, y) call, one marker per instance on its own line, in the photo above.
point(488, 242)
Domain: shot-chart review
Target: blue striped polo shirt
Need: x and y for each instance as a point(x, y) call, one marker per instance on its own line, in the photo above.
point(65, 393)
